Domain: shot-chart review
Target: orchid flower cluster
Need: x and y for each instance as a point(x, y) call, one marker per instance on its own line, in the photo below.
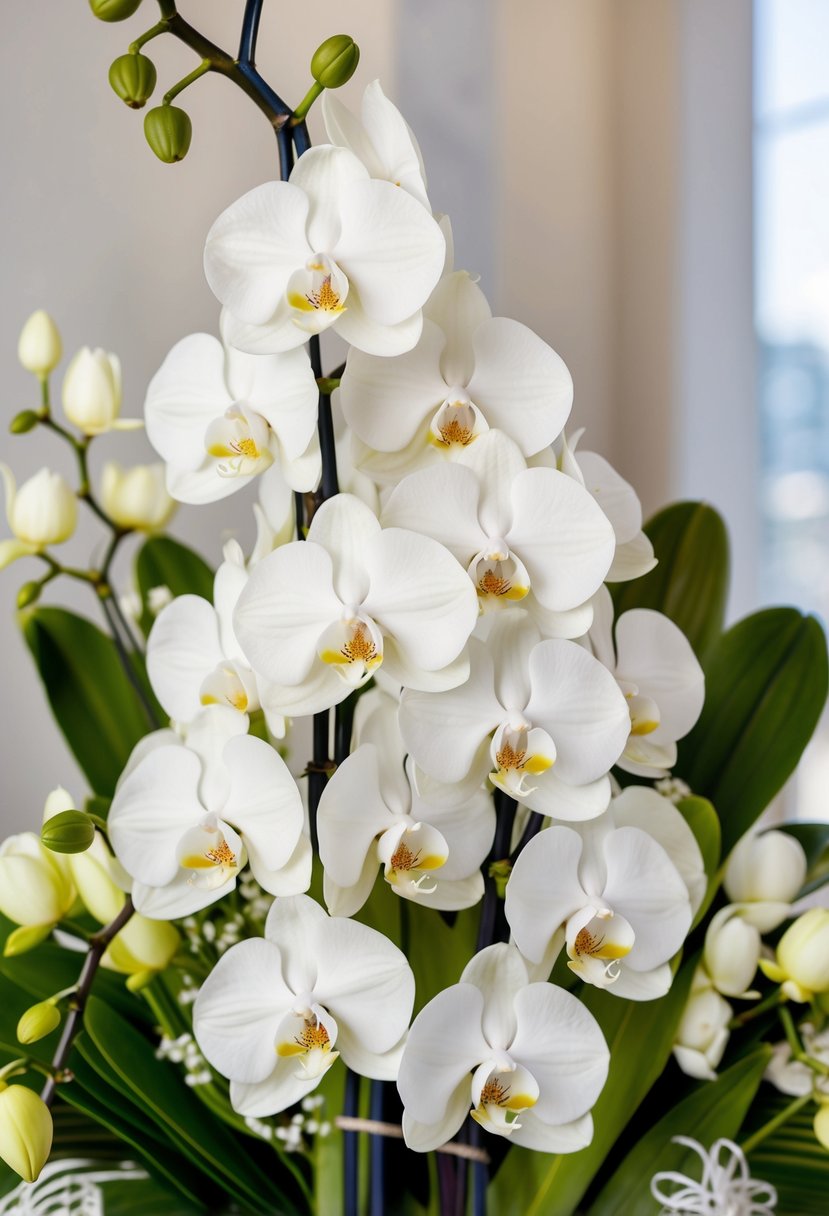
point(413, 707)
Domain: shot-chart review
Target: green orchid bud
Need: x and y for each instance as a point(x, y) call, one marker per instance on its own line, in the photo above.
point(28, 594)
point(133, 78)
point(335, 61)
point(168, 131)
point(24, 939)
point(38, 1021)
point(68, 832)
point(25, 421)
point(114, 10)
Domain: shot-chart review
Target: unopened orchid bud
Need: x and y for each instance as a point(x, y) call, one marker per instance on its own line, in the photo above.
point(136, 498)
point(335, 61)
point(44, 511)
point(766, 867)
point(35, 884)
point(702, 1034)
point(732, 950)
point(133, 78)
point(23, 422)
point(25, 1130)
point(26, 938)
point(821, 1124)
point(68, 832)
point(100, 880)
point(28, 594)
point(92, 390)
point(802, 964)
point(38, 1021)
point(39, 346)
point(168, 131)
point(142, 946)
point(114, 10)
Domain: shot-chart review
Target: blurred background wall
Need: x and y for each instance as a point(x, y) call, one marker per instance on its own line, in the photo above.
point(595, 156)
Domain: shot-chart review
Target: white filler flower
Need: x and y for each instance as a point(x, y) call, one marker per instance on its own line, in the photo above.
point(271, 1013)
point(725, 1189)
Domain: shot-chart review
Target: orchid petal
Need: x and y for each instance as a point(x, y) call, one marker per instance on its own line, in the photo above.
point(440, 502)
point(283, 1087)
point(425, 1137)
point(543, 889)
point(348, 530)
point(264, 803)
point(656, 656)
point(177, 898)
point(183, 648)
point(351, 815)
point(645, 888)
point(325, 174)
point(460, 308)
point(498, 972)
point(445, 1043)
point(363, 332)
point(543, 1137)
point(184, 396)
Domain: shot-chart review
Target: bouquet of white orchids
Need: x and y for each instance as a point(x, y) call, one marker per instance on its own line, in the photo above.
point(419, 868)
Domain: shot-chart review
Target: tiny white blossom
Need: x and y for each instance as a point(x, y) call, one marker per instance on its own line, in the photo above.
point(725, 1189)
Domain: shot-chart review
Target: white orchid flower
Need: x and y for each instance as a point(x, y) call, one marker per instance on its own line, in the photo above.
point(431, 845)
point(381, 139)
point(193, 656)
point(329, 247)
point(271, 1013)
point(184, 828)
point(518, 532)
point(537, 1057)
point(319, 616)
point(659, 674)
point(795, 1078)
point(764, 875)
point(611, 889)
point(274, 513)
point(703, 1031)
point(620, 503)
point(469, 372)
point(725, 1186)
point(219, 417)
point(43, 512)
point(535, 696)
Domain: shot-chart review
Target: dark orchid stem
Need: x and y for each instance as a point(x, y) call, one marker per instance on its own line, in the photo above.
point(492, 926)
point(377, 1202)
point(301, 138)
point(97, 948)
point(329, 486)
point(480, 1175)
point(533, 826)
point(446, 1184)
point(351, 1146)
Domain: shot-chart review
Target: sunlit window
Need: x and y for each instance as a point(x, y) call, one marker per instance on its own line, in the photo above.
point(792, 310)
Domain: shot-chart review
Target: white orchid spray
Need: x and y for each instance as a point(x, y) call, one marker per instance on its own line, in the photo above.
point(376, 840)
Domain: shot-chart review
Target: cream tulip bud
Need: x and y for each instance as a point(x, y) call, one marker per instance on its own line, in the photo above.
point(766, 870)
point(136, 498)
point(39, 347)
point(802, 966)
point(92, 390)
point(25, 1130)
point(44, 511)
point(38, 1021)
point(35, 884)
point(702, 1034)
point(732, 951)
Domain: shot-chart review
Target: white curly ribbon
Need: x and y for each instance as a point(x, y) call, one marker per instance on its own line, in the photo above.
point(725, 1189)
point(66, 1188)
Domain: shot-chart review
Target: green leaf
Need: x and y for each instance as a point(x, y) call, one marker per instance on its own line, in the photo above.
point(703, 821)
point(791, 1159)
point(814, 837)
point(164, 562)
point(91, 697)
point(161, 1093)
point(690, 583)
point(766, 682)
point(712, 1111)
point(640, 1036)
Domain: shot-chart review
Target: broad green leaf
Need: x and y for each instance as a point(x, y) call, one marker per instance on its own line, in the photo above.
point(766, 682)
point(702, 819)
point(690, 583)
point(814, 837)
point(640, 1036)
point(164, 562)
point(93, 701)
point(713, 1110)
point(792, 1159)
point(170, 1103)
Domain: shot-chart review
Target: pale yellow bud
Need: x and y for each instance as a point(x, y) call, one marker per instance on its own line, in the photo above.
point(39, 347)
point(44, 511)
point(822, 1124)
point(802, 965)
point(766, 871)
point(100, 880)
point(25, 1131)
point(24, 939)
point(36, 887)
point(92, 390)
point(142, 945)
point(136, 498)
point(732, 951)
